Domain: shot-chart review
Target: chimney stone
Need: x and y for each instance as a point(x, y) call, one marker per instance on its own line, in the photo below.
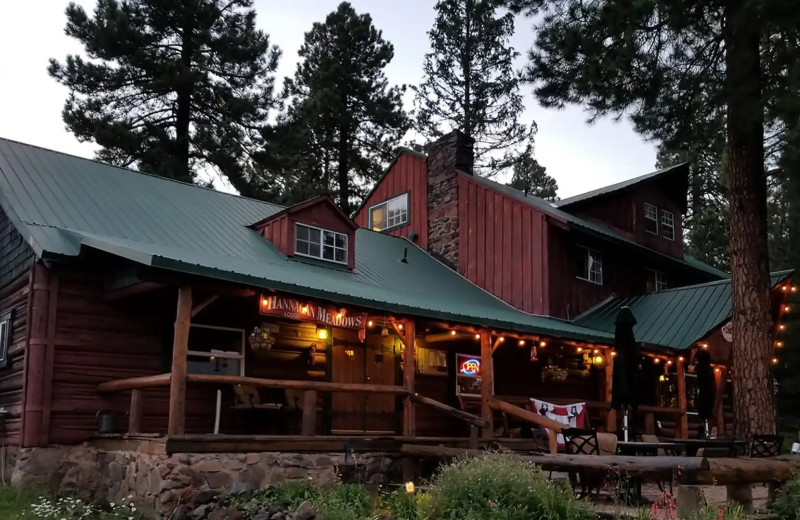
point(450, 155)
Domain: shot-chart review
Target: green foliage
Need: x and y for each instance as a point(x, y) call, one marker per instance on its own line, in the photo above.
point(714, 512)
point(786, 505)
point(343, 118)
point(531, 178)
point(498, 487)
point(399, 505)
point(470, 83)
point(73, 508)
point(173, 88)
point(14, 502)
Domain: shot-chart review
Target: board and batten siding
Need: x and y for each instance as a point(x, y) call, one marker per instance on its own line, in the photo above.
point(409, 173)
point(501, 246)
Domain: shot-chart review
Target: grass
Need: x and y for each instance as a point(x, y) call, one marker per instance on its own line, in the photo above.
point(14, 503)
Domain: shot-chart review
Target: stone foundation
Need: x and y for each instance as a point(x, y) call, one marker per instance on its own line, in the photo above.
point(161, 483)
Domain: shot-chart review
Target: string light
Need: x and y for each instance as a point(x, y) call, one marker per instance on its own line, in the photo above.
point(501, 339)
point(786, 308)
point(781, 327)
point(339, 316)
point(669, 362)
point(477, 336)
point(774, 361)
point(304, 309)
point(370, 324)
point(779, 344)
point(595, 351)
point(452, 333)
point(579, 350)
point(522, 343)
point(656, 361)
point(680, 358)
point(717, 370)
point(542, 344)
point(794, 288)
point(704, 346)
point(613, 353)
point(785, 288)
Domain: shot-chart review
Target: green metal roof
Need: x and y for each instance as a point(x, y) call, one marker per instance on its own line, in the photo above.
point(62, 204)
point(599, 230)
point(673, 318)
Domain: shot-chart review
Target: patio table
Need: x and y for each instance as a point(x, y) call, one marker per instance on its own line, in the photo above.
point(648, 448)
point(694, 445)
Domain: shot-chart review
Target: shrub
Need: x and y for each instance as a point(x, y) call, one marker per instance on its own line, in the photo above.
point(72, 508)
point(399, 505)
point(787, 504)
point(498, 487)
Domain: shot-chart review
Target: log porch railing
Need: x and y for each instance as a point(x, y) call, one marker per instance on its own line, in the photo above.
point(310, 389)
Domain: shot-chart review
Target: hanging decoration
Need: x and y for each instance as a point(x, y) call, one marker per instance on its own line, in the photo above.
point(534, 355)
point(261, 339)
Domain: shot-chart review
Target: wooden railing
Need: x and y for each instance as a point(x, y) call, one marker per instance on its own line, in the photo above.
point(310, 388)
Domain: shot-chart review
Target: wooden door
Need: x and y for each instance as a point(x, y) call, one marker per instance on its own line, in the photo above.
point(347, 409)
point(380, 370)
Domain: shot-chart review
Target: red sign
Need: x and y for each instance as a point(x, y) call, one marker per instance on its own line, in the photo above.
point(296, 310)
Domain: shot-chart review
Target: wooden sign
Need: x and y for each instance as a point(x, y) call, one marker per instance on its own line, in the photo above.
point(291, 308)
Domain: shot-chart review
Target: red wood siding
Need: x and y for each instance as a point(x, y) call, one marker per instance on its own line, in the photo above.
point(14, 298)
point(501, 246)
point(408, 174)
point(277, 232)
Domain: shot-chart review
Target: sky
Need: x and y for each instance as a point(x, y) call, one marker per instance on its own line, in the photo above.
point(580, 156)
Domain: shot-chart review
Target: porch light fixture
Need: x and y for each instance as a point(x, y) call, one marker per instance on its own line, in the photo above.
point(304, 309)
point(384, 332)
point(322, 333)
point(598, 360)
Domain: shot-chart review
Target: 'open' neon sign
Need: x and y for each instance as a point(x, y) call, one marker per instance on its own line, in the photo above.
point(471, 367)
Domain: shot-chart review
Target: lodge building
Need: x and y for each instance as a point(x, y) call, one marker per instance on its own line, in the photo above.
point(210, 321)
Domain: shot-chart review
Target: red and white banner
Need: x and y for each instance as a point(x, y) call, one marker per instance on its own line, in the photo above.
point(572, 415)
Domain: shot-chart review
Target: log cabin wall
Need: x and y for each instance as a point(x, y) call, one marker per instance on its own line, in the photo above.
point(501, 246)
point(409, 174)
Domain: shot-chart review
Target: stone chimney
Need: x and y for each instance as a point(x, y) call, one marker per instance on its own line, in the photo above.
point(447, 157)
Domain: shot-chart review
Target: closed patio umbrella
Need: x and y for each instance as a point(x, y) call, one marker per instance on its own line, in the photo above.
point(625, 388)
point(705, 388)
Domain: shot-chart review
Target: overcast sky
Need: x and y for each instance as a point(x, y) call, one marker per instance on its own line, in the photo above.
point(580, 156)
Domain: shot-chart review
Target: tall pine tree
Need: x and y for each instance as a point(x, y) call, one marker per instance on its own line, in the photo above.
point(670, 64)
point(343, 117)
point(171, 87)
point(531, 178)
point(470, 83)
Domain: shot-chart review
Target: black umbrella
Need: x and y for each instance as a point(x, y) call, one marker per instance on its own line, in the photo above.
point(625, 387)
point(706, 390)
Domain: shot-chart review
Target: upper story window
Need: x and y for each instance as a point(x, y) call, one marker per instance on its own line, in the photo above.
point(667, 224)
point(320, 243)
point(5, 337)
point(590, 265)
point(656, 281)
point(651, 218)
point(389, 214)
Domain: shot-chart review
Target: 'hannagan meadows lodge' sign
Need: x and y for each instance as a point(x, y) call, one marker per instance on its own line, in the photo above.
point(297, 310)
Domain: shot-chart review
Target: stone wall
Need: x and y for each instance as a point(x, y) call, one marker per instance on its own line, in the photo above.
point(161, 484)
point(447, 157)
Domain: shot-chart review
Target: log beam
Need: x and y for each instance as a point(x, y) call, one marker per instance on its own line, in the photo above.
point(180, 347)
point(134, 382)
point(136, 411)
point(454, 412)
point(291, 384)
point(487, 383)
point(197, 309)
point(531, 417)
point(409, 409)
point(683, 420)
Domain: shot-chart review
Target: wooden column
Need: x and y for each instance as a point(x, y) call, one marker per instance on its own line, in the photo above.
point(180, 346)
point(136, 411)
point(683, 419)
point(487, 383)
point(409, 408)
point(611, 415)
point(719, 415)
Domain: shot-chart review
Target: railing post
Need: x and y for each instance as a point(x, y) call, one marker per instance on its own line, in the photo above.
point(611, 414)
point(683, 419)
point(487, 383)
point(180, 347)
point(136, 411)
point(409, 409)
point(309, 425)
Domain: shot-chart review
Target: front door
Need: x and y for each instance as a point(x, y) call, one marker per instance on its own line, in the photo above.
point(363, 363)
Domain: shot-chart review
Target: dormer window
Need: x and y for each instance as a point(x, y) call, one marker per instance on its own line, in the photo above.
point(389, 214)
point(667, 224)
point(651, 218)
point(320, 243)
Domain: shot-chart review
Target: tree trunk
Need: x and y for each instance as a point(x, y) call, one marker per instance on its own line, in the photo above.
point(752, 327)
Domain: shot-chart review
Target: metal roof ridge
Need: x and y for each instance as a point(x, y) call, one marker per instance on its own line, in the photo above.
point(783, 273)
point(138, 172)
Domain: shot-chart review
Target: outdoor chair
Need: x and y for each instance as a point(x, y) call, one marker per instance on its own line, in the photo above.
point(581, 441)
point(764, 446)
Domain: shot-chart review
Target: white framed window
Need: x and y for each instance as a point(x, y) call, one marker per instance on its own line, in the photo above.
point(215, 350)
point(320, 243)
point(389, 214)
point(5, 338)
point(651, 218)
point(590, 265)
point(656, 281)
point(667, 224)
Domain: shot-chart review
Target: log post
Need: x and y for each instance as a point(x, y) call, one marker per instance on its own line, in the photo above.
point(611, 414)
point(719, 415)
point(683, 420)
point(309, 425)
point(180, 347)
point(487, 383)
point(136, 411)
point(409, 408)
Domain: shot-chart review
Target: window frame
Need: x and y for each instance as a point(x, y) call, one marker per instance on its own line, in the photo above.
point(647, 206)
point(322, 244)
point(220, 355)
point(671, 225)
point(407, 195)
point(586, 253)
point(5, 337)
point(655, 274)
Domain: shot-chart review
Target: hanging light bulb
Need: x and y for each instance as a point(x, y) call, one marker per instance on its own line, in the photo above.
point(656, 361)
point(522, 343)
point(542, 344)
point(680, 358)
point(794, 288)
point(579, 350)
point(501, 339)
point(370, 324)
point(452, 333)
point(400, 326)
point(775, 361)
point(784, 288)
point(613, 353)
point(779, 344)
point(477, 336)
point(786, 308)
point(781, 327)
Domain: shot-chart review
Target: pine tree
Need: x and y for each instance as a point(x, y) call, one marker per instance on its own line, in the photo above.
point(670, 65)
point(173, 88)
point(531, 178)
point(470, 83)
point(343, 116)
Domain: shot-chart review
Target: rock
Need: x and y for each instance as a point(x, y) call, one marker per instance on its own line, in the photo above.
point(262, 516)
point(205, 496)
point(208, 466)
point(199, 512)
point(280, 515)
point(305, 512)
